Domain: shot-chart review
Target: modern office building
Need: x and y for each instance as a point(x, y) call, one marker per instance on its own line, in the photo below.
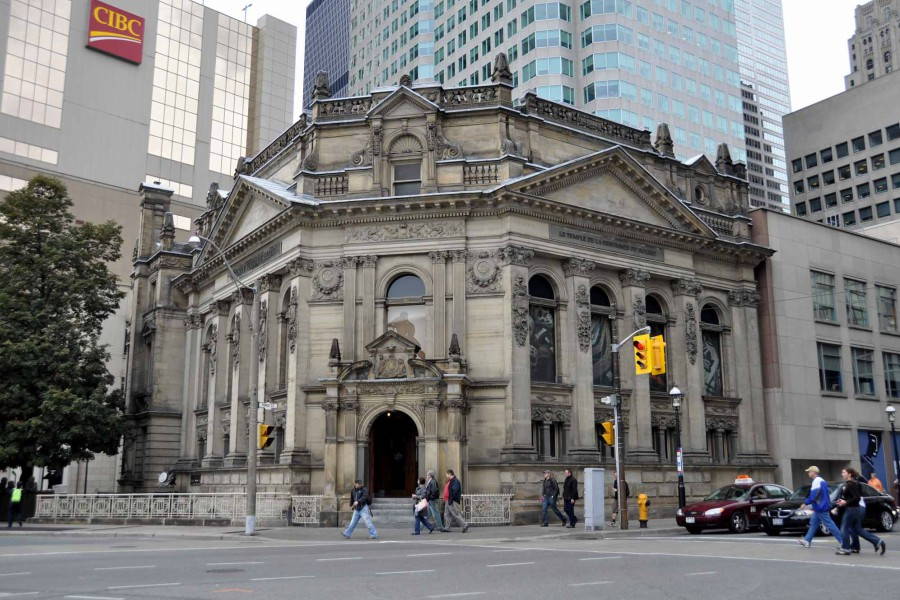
point(106, 96)
point(830, 346)
point(844, 155)
point(673, 61)
point(873, 45)
point(327, 46)
point(765, 96)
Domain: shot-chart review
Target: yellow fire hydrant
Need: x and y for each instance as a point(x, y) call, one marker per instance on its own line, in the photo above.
point(643, 502)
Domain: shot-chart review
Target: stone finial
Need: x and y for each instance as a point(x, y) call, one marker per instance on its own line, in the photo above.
point(405, 80)
point(501, 73)
point(334, 355)
point(454, 351)
point(321, 91)
point(167, 232)
point(663, 143)
point(724, 163)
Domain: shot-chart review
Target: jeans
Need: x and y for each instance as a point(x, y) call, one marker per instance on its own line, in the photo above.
point(823, 518)
point(422, 519)
point(15, 513)
point(435, 513)
point(569, 507)
point(364, 514)
point(550, 503)
point(852, 528)
point(452, 514)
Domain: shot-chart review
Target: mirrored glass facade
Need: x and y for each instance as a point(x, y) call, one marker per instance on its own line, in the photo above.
point(231, 95)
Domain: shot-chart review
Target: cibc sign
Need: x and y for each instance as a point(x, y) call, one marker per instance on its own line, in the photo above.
point(116, 32)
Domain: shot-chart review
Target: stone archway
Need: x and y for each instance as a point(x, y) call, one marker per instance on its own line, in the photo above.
point(393, 455)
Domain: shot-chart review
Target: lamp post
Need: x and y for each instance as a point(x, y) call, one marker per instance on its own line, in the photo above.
point(250, 518)
point(890, 410)
point(677, 397)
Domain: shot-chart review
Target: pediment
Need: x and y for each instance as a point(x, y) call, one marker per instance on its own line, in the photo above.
point(403, 103)
point(247, 208)
point(392, 341)
point(701, 164)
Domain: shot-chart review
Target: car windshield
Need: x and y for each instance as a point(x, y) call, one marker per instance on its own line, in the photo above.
point(729, 492)
point(803, 491)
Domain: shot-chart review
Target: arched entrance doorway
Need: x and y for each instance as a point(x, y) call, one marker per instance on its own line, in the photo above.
point(392, 450)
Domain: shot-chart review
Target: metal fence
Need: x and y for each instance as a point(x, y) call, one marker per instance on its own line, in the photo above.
point(487, 509)
point(160, 506)
point(305, 510)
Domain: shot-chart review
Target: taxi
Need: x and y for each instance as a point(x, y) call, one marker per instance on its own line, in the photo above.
point(737, 507)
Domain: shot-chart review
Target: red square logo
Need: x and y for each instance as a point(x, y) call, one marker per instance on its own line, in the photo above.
point(116, 32)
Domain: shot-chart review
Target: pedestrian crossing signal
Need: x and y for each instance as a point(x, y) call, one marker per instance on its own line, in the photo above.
point(609, 433)
point(657, 355)
point(642, 365)
point(265, 436)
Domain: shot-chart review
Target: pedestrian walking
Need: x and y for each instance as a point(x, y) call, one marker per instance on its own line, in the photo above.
point(819, 501)
point(851, 522)
point(549, 494)
point(420, 510)
point(15, 503)
point(4, 497)
point(570, 495)
point(452, 498)
point(433, 495)
point(615, 486)
point(359, 502)
point(875, 482)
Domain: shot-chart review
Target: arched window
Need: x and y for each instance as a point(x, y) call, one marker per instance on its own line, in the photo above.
point(656, 319)
point(406, 310)
point(284, 318)
point(406, 165)
point(601, 337)
point(711, 330)
point(542, 321)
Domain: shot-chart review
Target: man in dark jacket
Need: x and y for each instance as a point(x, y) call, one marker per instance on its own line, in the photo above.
point(615, 487)
point(851, 523)
point(359, 504)
point(549, 494)
point(452, 500)
point(570, 495)
point(433, 494)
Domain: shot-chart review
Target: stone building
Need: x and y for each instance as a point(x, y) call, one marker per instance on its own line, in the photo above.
point(441, 275)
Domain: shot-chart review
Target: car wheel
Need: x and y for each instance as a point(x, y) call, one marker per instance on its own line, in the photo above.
point(886, 522)
point(738, 522)
point(771, 531)
point(694, 530)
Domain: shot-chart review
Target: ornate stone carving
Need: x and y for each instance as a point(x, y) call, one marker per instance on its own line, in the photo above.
point(458, 403)
point(270, 283)
point(516, 255)
point(663, 143)
point(363, 157)
point(550, 414)
point(520, 310)
point(687, 287)
point(578, 266)
point(203, 421)
point(377, 139)
point(405, 80)
point(329, 404)
point(234, 339)
point(351, 262)
point(443, 148)
point(743, 297)
point(690, 332)
point(334, 354)
point(210, 347)
point(459, 256)
point(404, 231)
point(396, 389)
point(350, 404)
point(223, 307)
point(263, 335)
point(242, 296)
point(583, 310)
point(193, 321)
point(292, 321)
point(321, 90)
point(723, 423)
point(328, 280)
point(301, 266)
point(483, 273)
point(454, 350)
point(634, 277)
point(507, 144)
point(439, 257)
point(639, 312)
point(501, 73)
point(368, 261)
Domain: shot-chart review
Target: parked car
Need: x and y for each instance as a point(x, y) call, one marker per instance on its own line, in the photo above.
point(736, 507)
point(881, 511)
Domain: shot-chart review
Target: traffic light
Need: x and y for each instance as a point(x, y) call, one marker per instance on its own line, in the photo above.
point(265, 436)
point(642, 364)
point(657, 355)
point(609, 433)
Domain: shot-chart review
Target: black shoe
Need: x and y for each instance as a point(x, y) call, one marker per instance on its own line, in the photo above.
point(445, 530)
point(564, 524)
point(465, 529)
point(855, 550)
point(881, 547)
point(842, 552)
point(544, 525)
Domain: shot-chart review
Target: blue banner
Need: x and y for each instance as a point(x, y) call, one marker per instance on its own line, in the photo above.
point(871, 454)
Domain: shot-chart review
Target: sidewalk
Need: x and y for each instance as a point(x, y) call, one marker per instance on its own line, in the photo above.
point(322, 534)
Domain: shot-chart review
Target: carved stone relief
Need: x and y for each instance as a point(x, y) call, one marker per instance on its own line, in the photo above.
point(743, 297)
point(234, 339)
point(404, 231)
point(690, 332)
point(516, 255)
point(210, 347)
point(639, 312)
point(550, 414)
point(634, 277)
point(520, 310)
point(292, 321)
point(444, 149)
point(583, 309)
point(483, 273)
point(328, 280)
point(262, 337)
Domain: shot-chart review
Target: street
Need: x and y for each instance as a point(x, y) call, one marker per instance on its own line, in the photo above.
point(717, 566)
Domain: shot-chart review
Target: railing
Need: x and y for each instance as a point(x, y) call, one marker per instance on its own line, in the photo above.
point(305, 510)
point(487, 509)
point(480, 173)
point(159, 506)
point(332, 185)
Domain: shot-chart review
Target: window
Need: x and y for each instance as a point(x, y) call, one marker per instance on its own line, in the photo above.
point(877, 162)
point(828, 177)
point(602, 315)
point(407, 178)
point(712, 351)
point(797, 165)
point(826, 155)
point(887, 307)
point(847, 195)
point(599, 7)
point(883, 209)
point(542, 325)
point(893, 131)
point(859, 144)
point(823, 296)
point(556, 93)
point(810, 160)
point(891, 374)
point(606, 33)
point(895, 181)
point(863, 190)
point(875, 139)
point(865, 214)
point(407, 313)
point(830, 368)
point(656, 319)
point(548, 438)
point(841, 150)
point(863, 379)
point(815, 204)
point(801, 209)
point(798, 186)
point(849, 218)
point(813, 182)
point(830, 200)
point(552, 10)
point(844, 172)
point(547, 66)
point(861, 167)
point(855, 299)
point(880, 185)
point(894, 156)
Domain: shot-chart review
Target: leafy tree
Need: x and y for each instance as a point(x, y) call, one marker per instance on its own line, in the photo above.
point(56, 398)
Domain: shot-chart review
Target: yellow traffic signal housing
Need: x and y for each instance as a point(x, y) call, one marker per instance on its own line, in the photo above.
point(265, 436)
point(642, 364)
point(657, 355)
point(609, 433)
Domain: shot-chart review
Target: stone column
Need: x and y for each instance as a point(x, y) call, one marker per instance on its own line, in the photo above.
point(367, 291)
point(518, 403)
point(458, 326)
point(268, 288)
point(350, 342)
point(239, 342)
point(439, 303)
point(216, 346)
point(295, 450)
point(752, 440)
point(457, 406)
point(330, 454)
point(578, 287)
point(685, 357)
point(191, 386)
point(640, 441)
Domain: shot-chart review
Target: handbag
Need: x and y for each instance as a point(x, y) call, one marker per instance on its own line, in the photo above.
point(421, 505)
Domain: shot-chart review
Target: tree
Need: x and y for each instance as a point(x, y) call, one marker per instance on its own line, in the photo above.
point(57, 403)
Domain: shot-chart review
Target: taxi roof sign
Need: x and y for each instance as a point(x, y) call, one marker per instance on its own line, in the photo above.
point(743, 480)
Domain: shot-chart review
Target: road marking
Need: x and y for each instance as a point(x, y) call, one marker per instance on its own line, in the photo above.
point(279, 578)
point(589, 583)
point(511, 564)
point(146, 585)
point(700, 573)
point(250, 562)
point(600, 558)
point(429, 554)
point(15, 594)
point(457, 595)
point(405, 572)
point(93, 598)
point(122, 568)
point(340, 558)
point(19, 573)
point(513, 550)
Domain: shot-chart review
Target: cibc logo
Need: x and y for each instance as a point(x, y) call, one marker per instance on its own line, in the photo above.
point(116, 32)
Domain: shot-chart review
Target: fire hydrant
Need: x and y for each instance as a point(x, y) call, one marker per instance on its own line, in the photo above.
point(643, 502)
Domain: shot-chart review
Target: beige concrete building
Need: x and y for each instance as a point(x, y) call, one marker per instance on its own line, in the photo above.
point(441, 276)
point(873, 45)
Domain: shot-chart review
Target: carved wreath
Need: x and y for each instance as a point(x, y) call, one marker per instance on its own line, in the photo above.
point(483, 273)
point(328, 279)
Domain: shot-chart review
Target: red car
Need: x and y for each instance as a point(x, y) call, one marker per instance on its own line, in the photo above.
point(737, 507)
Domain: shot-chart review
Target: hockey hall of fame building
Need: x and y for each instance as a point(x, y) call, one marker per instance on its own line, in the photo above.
point(441, 274)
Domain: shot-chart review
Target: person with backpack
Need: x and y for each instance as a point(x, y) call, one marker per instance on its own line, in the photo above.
point(359, 503)
point(433, 494)
point(853, 505)
point(549, 494)
point(420, 510)
point(819, 501)
point(15, 503)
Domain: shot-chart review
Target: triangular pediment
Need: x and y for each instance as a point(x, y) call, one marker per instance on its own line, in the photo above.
point(701, 164)
point(613, 182)
point(391, 341)
point(403, 103)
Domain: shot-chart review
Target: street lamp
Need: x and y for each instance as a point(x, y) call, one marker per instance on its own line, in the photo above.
point(677, 397)
point(890, 410)
point(250, 519)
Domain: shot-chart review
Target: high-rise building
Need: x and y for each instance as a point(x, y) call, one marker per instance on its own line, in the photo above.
point(873, 45)
point(766, 99)
point(640, 64)
point(327, 46)
point(107, 95)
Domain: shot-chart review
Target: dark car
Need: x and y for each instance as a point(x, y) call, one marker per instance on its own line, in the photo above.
point(881, 511)
point(736, 507)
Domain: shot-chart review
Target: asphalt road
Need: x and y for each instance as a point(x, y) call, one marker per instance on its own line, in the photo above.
point(447, 566)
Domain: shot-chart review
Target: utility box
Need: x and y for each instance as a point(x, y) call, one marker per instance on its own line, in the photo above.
point(594, 502)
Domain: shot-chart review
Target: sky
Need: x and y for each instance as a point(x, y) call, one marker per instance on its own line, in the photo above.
point(816, 34)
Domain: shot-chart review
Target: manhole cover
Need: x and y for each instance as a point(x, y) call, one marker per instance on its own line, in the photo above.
point(225, 570)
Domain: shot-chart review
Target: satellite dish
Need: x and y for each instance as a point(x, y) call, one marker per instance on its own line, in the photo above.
point(163, 478)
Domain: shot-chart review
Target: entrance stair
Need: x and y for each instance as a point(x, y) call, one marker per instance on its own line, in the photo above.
point(393, 513)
